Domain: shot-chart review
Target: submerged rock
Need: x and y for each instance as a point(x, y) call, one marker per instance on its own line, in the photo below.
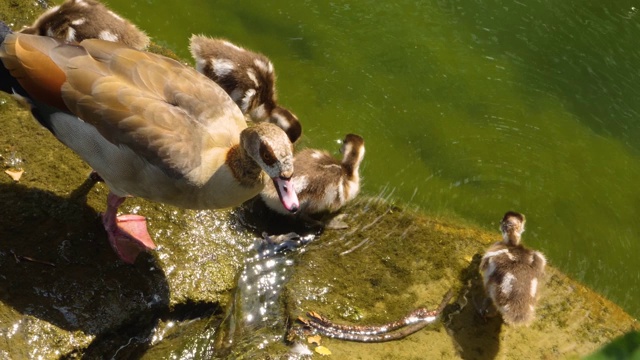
point(396, 260)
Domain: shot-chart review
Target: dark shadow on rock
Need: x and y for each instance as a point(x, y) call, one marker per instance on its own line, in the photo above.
point(56, 265)
point(130, 340)
point(475, 336)
point(256, 216)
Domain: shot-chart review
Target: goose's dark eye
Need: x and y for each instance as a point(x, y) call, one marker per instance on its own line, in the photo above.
point(267, 155)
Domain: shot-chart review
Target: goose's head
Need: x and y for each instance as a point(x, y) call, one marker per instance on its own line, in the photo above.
point(272, 150)
point(512, 227)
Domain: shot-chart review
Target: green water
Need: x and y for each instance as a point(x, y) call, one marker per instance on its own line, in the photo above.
point(466, 107)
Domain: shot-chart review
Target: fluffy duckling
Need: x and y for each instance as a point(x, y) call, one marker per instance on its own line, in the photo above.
point(511, 273)
point(248, 77)
point(149, 125)
point(76, 20)
point(323, 184)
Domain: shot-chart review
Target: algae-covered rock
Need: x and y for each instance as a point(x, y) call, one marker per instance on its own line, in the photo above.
point(19, 13)
point(391, 261)
point(63, 292)
point(394, 260)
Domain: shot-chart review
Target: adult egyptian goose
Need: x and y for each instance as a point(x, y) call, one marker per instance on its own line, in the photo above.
point(511, 273)
point(248, 77)
point(150, 126)
point(323, 184)
point(77, 20)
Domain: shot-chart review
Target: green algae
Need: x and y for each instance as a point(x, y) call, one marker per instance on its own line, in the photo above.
point(19, 13)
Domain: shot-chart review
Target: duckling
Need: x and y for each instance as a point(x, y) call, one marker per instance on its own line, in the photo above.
point(323, 184)
point(248, 77)
point(511, 273)
point(149, 125)
point(76, 20)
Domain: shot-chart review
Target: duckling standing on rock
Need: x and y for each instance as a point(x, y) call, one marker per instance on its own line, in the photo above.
point(511, 273)
point(323, 184)
point(248, 77)
point(76, 20)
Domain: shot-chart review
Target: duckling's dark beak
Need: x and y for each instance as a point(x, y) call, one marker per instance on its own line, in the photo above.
point(287, 194)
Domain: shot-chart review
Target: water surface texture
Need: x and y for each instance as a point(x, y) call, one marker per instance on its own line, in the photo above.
point(467, 107)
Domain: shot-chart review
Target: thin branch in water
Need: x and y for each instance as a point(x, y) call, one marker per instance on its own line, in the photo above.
point(395, 330)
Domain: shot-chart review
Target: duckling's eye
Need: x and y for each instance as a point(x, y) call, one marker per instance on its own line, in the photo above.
point(267, 155)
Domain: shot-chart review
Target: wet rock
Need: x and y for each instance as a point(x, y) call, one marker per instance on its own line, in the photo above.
point(63, 292)
point(390, 261)
point(396, 260)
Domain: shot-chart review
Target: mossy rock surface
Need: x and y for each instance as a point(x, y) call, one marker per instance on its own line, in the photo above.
point(63, 291)
point(394, 260)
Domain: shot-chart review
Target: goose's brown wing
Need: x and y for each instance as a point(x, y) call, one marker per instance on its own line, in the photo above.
point(164, 111)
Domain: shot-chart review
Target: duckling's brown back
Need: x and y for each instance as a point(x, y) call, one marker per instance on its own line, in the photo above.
point(316, 180)
point(511, 279)
point(248, 77)
point(77, 20)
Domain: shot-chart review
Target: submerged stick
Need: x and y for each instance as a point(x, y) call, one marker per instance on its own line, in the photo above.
point(395, 330)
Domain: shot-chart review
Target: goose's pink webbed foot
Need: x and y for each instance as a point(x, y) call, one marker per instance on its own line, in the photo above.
point(127, 234)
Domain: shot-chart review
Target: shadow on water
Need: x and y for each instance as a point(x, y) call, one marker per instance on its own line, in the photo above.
point(57, 266)
point(476, 337)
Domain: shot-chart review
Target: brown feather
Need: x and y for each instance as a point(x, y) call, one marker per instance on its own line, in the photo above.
point(511, 273)
point(139, 99)
point(36, 72)
point(151, 126)
point(133, 98)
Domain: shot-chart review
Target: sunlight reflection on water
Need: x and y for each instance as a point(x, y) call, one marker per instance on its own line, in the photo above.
point(258, 319)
